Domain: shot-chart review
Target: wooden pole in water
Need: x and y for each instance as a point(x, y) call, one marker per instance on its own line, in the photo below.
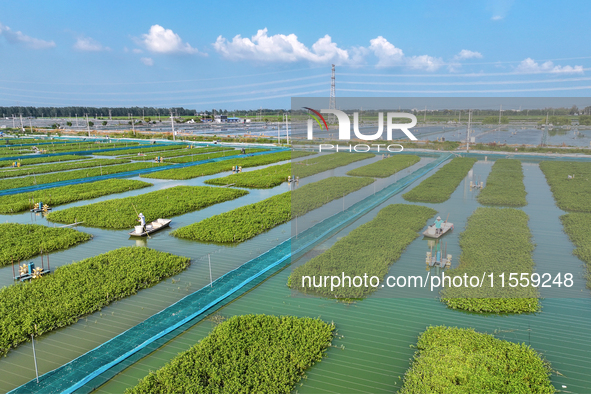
point(35, 355)
point(210, 277)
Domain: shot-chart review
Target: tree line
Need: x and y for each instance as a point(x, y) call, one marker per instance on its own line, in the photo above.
point(103, 112)
point(154, 112)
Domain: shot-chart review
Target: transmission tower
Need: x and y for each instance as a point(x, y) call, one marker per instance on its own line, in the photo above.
point(332, 104)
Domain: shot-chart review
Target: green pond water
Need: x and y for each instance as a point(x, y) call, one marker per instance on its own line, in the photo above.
point(375, 336)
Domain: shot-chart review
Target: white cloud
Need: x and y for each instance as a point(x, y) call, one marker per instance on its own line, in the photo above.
point(147, 61)
point(161, 40)
point(137, 50)
point(89, 44)
point(284, 48)
point(496, 17)
point(467, 54)
point(16, 37)
point(424, 62)
point(389, 56)
point(529, 66)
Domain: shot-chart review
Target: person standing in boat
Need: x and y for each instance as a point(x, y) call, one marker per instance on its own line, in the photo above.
point(438, 224)
point(142, 220)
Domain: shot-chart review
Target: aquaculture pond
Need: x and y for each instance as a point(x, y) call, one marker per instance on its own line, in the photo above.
point(61, 346)
point(373, 346)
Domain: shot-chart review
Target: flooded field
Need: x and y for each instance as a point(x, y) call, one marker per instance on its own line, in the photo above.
point(373, 348)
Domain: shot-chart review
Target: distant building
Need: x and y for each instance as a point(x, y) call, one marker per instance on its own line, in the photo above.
point(574, 122)
point(226, 119)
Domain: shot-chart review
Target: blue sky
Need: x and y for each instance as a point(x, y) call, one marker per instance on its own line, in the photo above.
point(240, 55)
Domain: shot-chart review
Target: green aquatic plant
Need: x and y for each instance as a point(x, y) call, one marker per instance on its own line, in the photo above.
point(368, 250)
point(222, 166)
point(212, 155)
point(72, 291)
point(571, 194)
point(276, 175)
point(22, 241)
point(246, 222)
point(463, 361)
point(261, 179)
point(143, 149)
point(40, 160)
point(576, 226)
point(439, 186)
point(53, 197)
point(42, 169)
point(386, 167)
point(76, 174)
point(318, 164)
point(244, 354)
point(122, 213)
point(504, 185)
point(83, 146)
point(496, 240)
point(178, 154)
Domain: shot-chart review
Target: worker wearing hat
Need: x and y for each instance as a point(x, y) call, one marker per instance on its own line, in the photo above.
point(438, 223)
point(142, 220)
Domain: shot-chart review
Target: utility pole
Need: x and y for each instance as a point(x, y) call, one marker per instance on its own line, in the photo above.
point(110, 118)
point(468, 133)
point(545, 134)
point(87, 125)
point(332, 103)
point(425, 115)
point(286, 130)
point(172, 123)
point(76, 120)
point(21, 116)
point(500, 112)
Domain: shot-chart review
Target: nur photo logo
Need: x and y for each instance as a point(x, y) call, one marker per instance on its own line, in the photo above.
point(344, 123)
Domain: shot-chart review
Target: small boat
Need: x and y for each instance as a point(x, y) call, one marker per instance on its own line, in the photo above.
point(431, 233)
point(37, 210)
point(156, 225)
